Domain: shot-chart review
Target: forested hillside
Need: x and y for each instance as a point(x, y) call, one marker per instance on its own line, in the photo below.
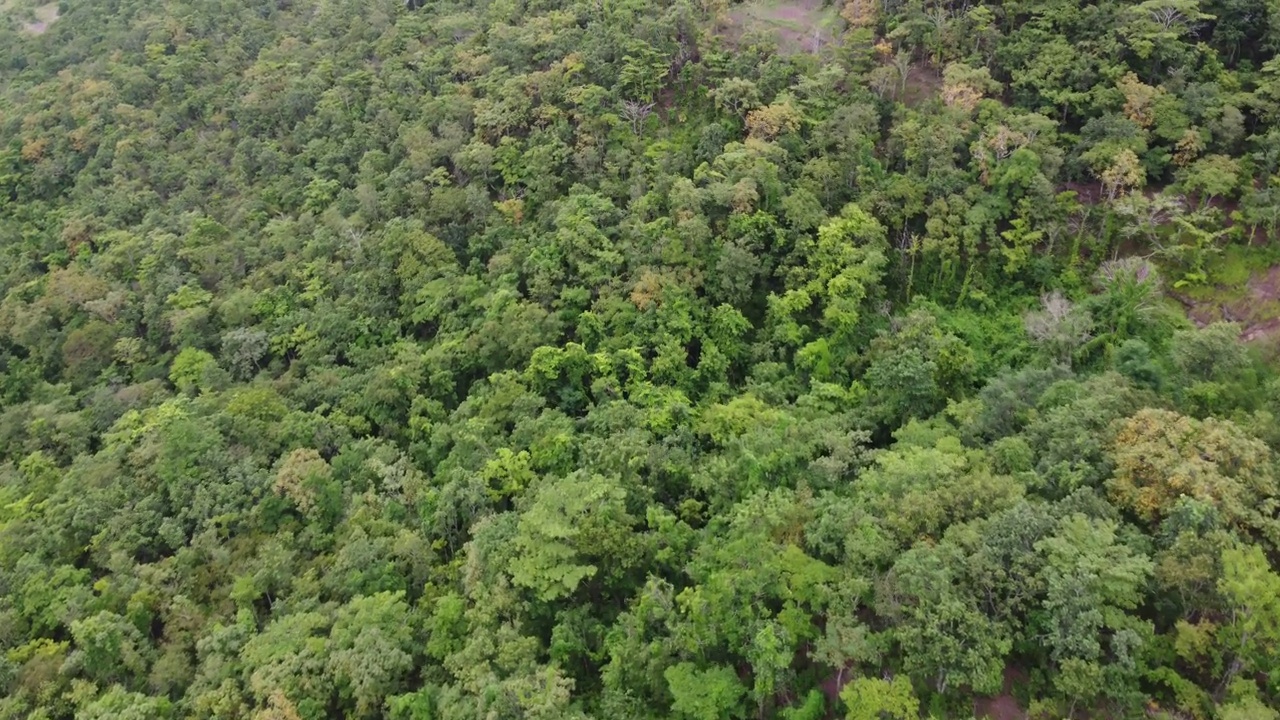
point(568, 359)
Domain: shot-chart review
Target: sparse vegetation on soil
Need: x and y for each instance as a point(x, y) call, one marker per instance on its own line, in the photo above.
point(798, 26)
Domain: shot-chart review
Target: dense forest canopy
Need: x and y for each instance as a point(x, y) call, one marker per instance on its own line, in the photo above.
point(555, 359)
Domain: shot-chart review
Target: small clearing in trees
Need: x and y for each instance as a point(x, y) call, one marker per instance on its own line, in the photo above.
point(35, 21)
point(1244, 288)
point(799, 25)
point(924, 82)
point(1003, 706)
point(46, 15)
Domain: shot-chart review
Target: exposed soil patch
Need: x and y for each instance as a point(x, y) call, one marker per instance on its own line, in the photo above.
point(1087, 193)
point(1263, 331)
point(1003, 706)
point(1000, 707)
point(799, 25)
point(38, 21)
point(1256, 308)
point(833, 684)
point(791, 14)
point(1266, 287)
point(924, 82)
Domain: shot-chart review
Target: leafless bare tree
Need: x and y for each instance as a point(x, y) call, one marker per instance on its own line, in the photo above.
point(1167, 17)
point(1059, 326)
point(636, 113)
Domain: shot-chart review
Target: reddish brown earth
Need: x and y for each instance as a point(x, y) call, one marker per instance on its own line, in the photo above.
point(1257, 311)
point(924, 82)
point(1003, 706)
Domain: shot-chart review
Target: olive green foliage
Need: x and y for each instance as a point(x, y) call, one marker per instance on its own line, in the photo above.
point(575, 359)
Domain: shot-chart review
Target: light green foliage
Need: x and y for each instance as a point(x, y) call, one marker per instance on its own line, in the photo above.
point(1211, 352)
point(943, 633)
point(552, 541)
point(1213, 176)
point(578, 359)
point(813, 707)
point(369, 649)
point(1251, 709)
point(712, 694)
point(1252, 590)
point(190, 370)
point(108, 647)
point(119, 704)
point(756, 590)
point(867, 698)
point(933, 487)
point(1091, 583)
